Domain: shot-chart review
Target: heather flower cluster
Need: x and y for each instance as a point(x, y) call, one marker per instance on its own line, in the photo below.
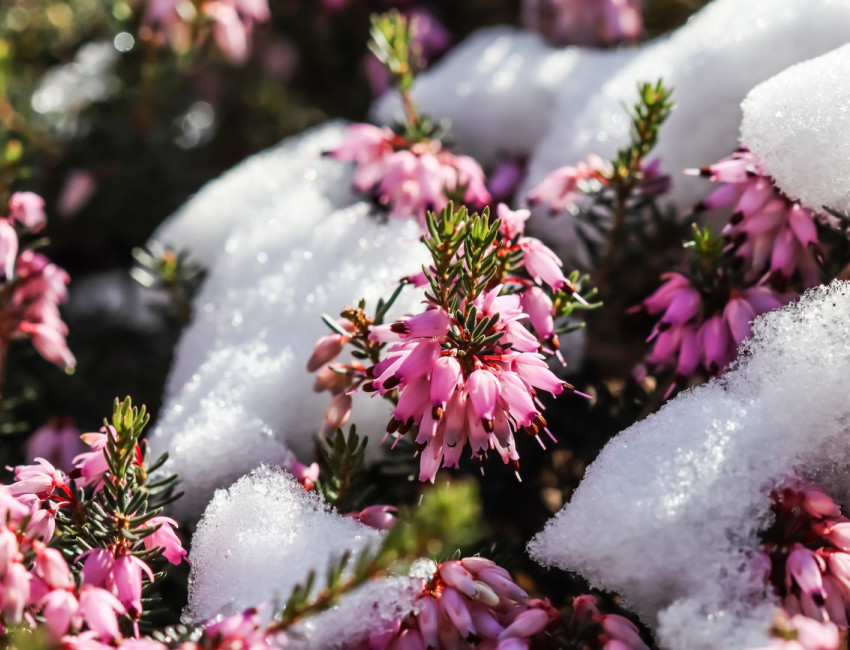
point(407, 177)
point(89, 585)
point(767, 250)
point(33, 287)
point(584, 22)
point(808, 548)
point(180, 23)
point(469, 603)
point(466, 370)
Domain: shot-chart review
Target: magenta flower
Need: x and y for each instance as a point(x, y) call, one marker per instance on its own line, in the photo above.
point(58, 442)
point(378, 517)
point(8, 250)
point(584, 22)
point(688, 337)
point(166, 538)
point(772, 235)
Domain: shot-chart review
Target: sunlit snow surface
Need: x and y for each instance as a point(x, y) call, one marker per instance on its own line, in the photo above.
point(262, 536)
point(668, 514)
point(284, 241)
point(505, 92)
point(798, 124)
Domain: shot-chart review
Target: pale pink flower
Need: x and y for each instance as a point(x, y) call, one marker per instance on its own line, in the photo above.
point(562, 187)
point(410, 178)
point(512, 221)
point(232, 35)
point(8, 250)
point(27, 208)
point(504, 180)
point(166, 538)
point(327, 349)
point(337, 413)
point(482, 403)
point(100, 608)
point(79, 187)
point(541, 263)
point(58, 607)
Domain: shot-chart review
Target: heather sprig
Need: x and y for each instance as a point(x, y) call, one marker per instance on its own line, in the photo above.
point(174, 273)
point(343, 459)
point(465, 370)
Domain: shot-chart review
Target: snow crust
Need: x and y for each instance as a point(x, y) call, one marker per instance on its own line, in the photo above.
point(508, 93)
point(261, 537)
point(284, 241)
point(798, 124)
point(669, 513)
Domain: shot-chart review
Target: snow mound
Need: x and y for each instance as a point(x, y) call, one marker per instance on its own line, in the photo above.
point(669, 514)
point(506, 92)
point(262, 536)
point(499, 89)
point(798, 124)
point(284, 241)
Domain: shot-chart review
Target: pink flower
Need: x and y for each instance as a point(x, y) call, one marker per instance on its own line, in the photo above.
point(127, 582)
point(58, 608)
point(99, 609)
point(27, 208)
point(50, 343)
point(232, 35)
point(481, 402)
point(39, 480)
point(51, 567)
point(327, 349)
point(541, 263)
point(410, 178)
point(166, 538)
